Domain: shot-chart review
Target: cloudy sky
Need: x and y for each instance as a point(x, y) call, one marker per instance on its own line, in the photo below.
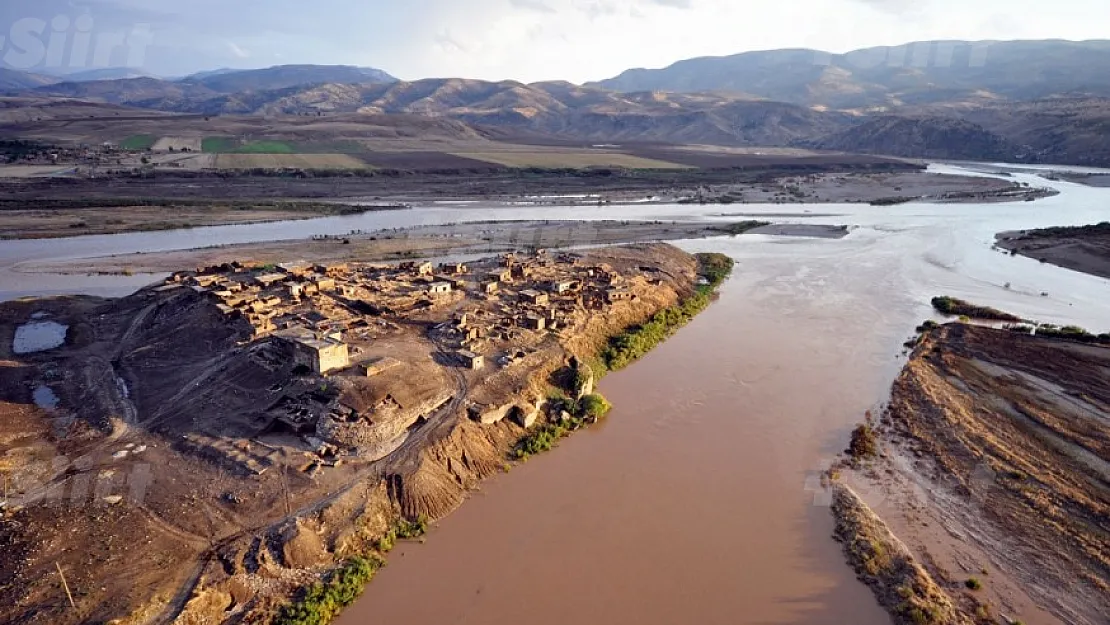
point(528, 40)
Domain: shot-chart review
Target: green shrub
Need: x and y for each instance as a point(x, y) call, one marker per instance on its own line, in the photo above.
point(594, 407)
point(864, 443)
point(634, 343)
point(952, 306)
point(324, 601)
point(973, 583)
point(539, 440)
point(407, 529)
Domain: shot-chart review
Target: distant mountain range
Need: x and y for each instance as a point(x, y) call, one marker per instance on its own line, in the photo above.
point(922, 73)
point(1043, 101)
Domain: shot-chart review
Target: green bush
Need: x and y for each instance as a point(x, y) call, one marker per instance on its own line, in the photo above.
point(324, 601)
point(539, 440)
point(864, 443)
point(594, 407)
point(634, 343)
point(974, 584)
point(953, 306)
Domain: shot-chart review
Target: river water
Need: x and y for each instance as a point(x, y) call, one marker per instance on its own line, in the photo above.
point(696, 501)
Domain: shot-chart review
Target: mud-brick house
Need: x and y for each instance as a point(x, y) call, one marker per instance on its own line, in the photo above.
point(534, 322)
point(471, 360)
point(536, 298)
point(321, 355)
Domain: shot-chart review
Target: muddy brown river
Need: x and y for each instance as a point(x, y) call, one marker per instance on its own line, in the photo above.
point(697, 500)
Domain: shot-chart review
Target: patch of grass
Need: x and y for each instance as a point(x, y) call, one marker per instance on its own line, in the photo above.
point(219, 145)
point(634, 343)
point(323, 601)
point(232, 145)
point(138, 142)
point(973, 583)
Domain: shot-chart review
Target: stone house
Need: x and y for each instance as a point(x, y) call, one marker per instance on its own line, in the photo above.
point(534, 297)
point(471, 360)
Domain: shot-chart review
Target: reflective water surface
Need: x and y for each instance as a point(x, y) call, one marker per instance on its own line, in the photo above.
point(696, 502)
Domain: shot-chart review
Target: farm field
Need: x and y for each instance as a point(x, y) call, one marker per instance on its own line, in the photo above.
point(32, 171)
point(138, 142)
point(231, 145)
point(288, 161)
point(575, 159)
point(177, 144)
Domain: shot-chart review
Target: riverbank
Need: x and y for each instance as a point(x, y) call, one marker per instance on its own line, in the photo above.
point(427, 241)
point(1081, 248)
point(51, 219)
point(65, 208)
point(991, 464)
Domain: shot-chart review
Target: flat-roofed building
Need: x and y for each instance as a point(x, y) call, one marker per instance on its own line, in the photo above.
point(535, 322)
point(438, 288)
point(471, 360)
point(535, 297)
point(380, 366)
point(269, 279)
point(295, 269)
point(322, 355)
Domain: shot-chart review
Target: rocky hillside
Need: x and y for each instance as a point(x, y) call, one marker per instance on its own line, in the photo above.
point(12, 80)
point(916, 73)
point(1045, 101)
point(923, 137)
point(553, 109)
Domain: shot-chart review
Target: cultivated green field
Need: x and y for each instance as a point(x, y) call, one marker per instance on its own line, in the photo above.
point(138, 142)
point(230, 145)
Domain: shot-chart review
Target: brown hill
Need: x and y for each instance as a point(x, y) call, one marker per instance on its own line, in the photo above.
point(922, 137)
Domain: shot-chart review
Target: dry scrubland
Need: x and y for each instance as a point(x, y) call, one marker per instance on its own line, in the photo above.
point(288, 161)
point(573, 159)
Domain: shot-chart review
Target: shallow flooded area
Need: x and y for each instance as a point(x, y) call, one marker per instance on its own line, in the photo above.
point(38, 336)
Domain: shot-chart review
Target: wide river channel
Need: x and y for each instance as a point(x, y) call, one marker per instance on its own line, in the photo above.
point(697, 500)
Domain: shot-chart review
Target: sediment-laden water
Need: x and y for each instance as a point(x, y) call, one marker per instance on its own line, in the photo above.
point(696, 502)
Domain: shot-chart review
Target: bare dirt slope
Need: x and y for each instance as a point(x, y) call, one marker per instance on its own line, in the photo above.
point(997, 472)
